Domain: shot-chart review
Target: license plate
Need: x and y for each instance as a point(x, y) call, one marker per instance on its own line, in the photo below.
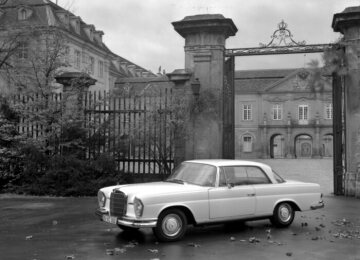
point(109, 219)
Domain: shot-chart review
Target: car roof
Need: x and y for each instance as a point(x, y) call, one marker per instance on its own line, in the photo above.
point(228, 162)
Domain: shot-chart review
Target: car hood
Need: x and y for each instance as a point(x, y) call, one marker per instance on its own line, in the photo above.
point(154, 188)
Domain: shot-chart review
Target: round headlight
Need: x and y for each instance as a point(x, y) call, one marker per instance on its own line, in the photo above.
point(101, 199)
point(138, 207)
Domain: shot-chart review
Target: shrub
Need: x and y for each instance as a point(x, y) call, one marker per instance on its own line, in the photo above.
point(67, 176)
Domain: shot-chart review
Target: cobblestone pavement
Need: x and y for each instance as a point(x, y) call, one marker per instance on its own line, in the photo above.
point(309, 170)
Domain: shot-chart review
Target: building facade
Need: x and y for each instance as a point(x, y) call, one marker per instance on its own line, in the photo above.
point(283, 114)
point(85, 50)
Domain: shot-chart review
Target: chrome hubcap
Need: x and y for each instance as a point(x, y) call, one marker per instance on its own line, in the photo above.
point(285, 213)
point(171, 225)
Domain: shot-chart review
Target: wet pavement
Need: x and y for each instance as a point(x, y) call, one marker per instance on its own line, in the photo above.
point(66, 228)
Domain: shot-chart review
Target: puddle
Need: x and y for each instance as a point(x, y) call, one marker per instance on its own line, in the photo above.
point(38, 205)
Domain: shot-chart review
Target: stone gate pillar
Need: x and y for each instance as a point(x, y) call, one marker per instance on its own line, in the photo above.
point(205, 37)
point(348, 23)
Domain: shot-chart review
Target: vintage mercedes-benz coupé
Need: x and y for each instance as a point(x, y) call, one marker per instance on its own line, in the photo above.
point(207, 191)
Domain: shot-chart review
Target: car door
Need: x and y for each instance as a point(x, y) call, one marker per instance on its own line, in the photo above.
point(233, 197)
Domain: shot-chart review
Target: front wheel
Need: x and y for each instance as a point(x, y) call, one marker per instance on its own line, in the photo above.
point(283, 215)
point(171, 225)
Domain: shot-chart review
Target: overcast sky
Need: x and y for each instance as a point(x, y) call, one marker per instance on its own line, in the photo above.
point(141, 30)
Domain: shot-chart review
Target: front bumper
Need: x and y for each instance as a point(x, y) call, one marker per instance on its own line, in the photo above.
point(318, 205)
point(126, 221)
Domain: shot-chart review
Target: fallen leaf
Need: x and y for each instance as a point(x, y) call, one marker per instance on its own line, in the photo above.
point(110, 251)
point(119, 250)
point(254, 240)
point(193, 245)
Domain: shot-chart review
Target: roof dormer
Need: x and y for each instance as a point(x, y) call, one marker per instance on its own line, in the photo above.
point(98, 36)
point(89, 30)
point(24, 12)
point(64, 17)
point(75, 23)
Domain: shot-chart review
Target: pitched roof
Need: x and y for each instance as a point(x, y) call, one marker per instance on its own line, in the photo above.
point(253, 81)
point(44, 14)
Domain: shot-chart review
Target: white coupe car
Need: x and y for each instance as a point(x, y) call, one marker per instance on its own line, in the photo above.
point(207, 191)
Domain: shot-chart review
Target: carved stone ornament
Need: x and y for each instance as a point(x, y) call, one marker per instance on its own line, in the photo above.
point(301, 81)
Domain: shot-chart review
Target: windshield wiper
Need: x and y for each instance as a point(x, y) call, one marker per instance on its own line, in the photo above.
point(175, 181)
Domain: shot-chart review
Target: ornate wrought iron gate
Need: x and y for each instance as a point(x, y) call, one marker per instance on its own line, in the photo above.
point(283, 43)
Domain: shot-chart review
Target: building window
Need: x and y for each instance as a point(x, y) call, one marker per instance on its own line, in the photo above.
point(66, 55)
point(247, 143)
point(303, 114)
point(91, 65)
point(22, 14)
point(329, 111)
point(277, 112)
point(23, 50)
point(101, 69)
point(247, 115)
point(77, 26)
point(77, 59)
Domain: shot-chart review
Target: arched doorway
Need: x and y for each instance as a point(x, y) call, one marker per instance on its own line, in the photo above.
point(327, 145)
point(277, 146)
point(303, 146)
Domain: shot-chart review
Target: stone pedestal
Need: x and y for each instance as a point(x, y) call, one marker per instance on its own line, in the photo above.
point(205, 37)
point(74, 85)
point(348, 23)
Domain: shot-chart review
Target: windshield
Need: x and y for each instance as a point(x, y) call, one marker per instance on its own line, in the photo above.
point(194, 173)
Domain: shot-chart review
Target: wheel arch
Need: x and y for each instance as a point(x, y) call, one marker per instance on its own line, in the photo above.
point(188, 213)
point(293, 204)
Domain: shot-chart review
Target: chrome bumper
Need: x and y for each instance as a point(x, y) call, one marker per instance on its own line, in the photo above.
point(319, 205)
point(129, 222)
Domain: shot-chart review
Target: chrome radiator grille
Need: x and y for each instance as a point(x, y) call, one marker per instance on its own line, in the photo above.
point(118, 203)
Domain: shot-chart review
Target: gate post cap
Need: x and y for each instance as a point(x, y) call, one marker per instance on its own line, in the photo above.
point(205, 23)
point(348, 18)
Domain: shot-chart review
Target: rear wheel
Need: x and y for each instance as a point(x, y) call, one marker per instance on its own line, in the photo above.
point(283, 215)
point(171, 225)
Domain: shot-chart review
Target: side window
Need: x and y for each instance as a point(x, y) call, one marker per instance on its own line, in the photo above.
point(236, 175)
point(222, 180)
point(256, 176)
